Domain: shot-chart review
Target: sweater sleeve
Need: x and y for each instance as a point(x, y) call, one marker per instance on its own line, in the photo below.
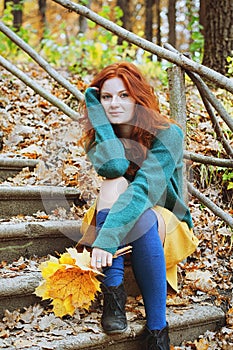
point(148, 189)
point(107, 154)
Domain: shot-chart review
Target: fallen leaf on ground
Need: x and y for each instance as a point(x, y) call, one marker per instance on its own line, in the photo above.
point(201, 280)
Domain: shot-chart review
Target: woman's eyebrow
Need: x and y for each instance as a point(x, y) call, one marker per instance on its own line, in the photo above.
point(107, 92)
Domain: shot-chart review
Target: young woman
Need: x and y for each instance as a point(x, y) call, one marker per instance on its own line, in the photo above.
point(139, 153)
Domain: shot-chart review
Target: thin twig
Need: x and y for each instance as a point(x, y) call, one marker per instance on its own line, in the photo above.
point(212, 206)
point(45, 65)
point(38, 89)
point(199, 158)
point(123, 251)
point(211, 98)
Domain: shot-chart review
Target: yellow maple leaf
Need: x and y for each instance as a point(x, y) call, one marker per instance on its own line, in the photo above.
point(69, 282)
point(63, 307)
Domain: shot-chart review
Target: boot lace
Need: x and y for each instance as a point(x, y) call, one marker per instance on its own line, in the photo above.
point(111, 301)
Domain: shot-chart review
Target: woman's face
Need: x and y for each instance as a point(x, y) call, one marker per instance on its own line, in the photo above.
point(119, 106)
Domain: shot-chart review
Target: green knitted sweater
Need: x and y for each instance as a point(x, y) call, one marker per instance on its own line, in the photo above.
point(157, 182)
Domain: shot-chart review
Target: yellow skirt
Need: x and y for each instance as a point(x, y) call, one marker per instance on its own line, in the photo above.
point(179, 243)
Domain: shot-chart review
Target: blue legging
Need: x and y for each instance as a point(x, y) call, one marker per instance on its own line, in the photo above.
point(148, 263)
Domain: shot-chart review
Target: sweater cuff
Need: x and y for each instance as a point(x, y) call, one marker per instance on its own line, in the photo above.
point(96, 113)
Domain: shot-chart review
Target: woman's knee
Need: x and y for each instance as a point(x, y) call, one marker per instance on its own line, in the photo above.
point(148, 220)
point(110, 191)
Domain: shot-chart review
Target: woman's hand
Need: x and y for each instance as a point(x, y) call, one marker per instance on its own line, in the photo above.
point(100, 258)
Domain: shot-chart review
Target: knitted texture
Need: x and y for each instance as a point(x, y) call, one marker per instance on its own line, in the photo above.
point(157, 182)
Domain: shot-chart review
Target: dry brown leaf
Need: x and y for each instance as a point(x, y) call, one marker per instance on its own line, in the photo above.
point(201, 280)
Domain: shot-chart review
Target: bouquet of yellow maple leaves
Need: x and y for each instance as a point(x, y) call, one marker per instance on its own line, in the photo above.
point(69, 281)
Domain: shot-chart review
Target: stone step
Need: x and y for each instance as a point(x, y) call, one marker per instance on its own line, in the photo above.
point(27, 200)
point(11, 166)
point(38, 238)
point(185, 323)
point(188, 326)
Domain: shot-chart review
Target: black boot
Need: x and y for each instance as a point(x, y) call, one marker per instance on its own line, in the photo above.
point(114, 318)
point(156, 340)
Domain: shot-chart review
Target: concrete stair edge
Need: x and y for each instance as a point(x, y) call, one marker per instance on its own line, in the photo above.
point(11, 166)
point(27, 200)
point(37, 238)
point(19, 285)
point(32, 191)
point(37, 229)
point(17, 163)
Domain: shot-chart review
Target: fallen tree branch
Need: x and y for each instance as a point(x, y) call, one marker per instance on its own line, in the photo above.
point(38, 89)
point(178, 59)
point(199, 158)
point(45, 65)
point(207, 93)
point(209, 204)
point(211, 98)
point(216, 125)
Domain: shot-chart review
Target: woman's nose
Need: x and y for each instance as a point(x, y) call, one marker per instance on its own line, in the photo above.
point(115, 100)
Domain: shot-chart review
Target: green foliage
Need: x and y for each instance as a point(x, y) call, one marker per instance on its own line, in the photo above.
point(228, 178)
point(17, 7)
point(197, 39)
point(84, 2)
point(229, 66)
point(90, 52)
point(82, 53)
point(153, 71)
point(209, 175)
point(7, 47)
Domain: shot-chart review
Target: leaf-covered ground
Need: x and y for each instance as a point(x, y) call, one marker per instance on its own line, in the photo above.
point(32, 128)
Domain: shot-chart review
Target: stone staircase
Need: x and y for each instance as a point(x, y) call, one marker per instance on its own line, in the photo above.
point(42, 237)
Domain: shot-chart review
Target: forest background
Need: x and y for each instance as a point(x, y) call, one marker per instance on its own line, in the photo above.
point(77, 48)
point(188, 25)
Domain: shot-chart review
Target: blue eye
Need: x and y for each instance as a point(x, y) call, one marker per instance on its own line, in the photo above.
point(124, 95)
point(105, 97)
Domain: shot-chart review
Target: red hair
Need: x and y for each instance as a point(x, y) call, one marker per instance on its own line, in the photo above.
point(148, 119)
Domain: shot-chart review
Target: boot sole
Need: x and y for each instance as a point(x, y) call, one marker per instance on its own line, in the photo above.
point(117, 331)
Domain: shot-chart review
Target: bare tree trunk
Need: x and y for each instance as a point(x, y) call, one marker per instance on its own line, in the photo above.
point(42, 11)
point(202, 15)
point(212, 206)
point(17, 12)
point(83, 21)
point(172, 22)
point(125, 6)
point(218, 34)
point(149, 20)
point(158, 21)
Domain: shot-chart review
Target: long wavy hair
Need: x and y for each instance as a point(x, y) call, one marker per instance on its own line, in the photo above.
point(147, 119)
